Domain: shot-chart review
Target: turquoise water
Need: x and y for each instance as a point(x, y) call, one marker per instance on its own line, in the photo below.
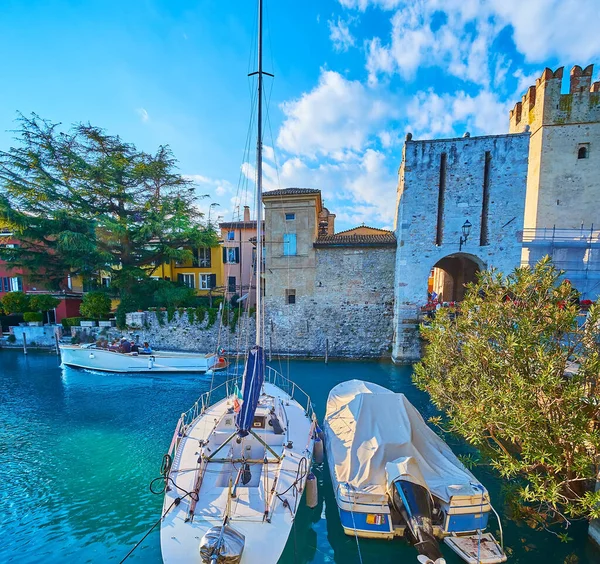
point(78, 449)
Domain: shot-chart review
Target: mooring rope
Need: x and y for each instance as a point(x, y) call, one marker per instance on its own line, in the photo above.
point(164, 476)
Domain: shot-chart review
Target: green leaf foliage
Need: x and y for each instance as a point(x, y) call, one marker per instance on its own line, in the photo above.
point(95, 305)
point(31, 316)
point(16, 302)
point(68, 322)
point(170, 313)
point(517, 373)
point(43, 302)
point(83, 201)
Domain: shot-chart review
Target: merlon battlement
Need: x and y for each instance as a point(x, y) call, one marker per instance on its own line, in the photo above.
point(544, 102)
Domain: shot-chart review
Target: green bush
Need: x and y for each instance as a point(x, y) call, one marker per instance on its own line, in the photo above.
point(16, 302)
point(191, 314)
point(200, 314)
point(11, 338)
point(172, 295)
point(234, 321)
point(95, 305)
point(170, 313)
point(32, 316)
point(43, 302)
point(68, 322)
point(75, 340)
point(160, 317)
point(212, 316)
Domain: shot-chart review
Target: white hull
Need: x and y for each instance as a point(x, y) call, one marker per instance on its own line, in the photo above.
point(111, 361)
point(264, 539)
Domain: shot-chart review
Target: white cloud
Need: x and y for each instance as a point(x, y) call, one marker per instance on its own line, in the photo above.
point(363, 4)
point(361, 189)
point(340, 34)
point(143, 113)
point(433, 115)
point(459, 35)
point(456, 35)
point(336, 116)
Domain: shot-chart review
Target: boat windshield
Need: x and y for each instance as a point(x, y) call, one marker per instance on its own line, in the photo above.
point(415, 498)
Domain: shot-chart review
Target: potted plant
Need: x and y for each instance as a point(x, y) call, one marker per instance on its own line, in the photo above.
point(33, 318)
point(44, 303)
point(95, 305)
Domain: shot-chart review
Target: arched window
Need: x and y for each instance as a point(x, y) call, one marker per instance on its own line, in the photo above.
point(582, 151)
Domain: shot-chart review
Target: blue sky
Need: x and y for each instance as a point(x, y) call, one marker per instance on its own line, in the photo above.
point(352, 77)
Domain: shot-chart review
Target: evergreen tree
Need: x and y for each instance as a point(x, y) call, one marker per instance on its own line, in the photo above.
point(83, 201)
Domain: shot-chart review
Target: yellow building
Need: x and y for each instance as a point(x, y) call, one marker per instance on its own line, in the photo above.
point(203, 273)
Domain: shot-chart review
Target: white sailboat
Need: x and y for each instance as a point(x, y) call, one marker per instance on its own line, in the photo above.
point(236, 468)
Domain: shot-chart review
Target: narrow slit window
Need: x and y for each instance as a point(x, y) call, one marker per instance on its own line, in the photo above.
point(290, 297)
point(583, 150)
point(485, 203)
point(440, 205)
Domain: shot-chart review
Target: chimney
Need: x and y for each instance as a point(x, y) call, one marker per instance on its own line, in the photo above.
point(246, 213)
point(331, 224)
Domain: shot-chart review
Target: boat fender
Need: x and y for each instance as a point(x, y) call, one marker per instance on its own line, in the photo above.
point(150, 362)
point(424, 560)
point(312, 492)
point(92, 355)
point(318, 451)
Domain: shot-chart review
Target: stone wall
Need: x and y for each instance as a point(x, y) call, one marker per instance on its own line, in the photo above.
point(179, 334)
point(37, 336)
point(349, 312)
point(419, 246)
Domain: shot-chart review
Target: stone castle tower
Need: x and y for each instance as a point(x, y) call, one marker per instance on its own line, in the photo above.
point(563, 181)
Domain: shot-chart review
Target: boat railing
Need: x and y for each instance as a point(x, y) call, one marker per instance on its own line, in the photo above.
point(290, 388)
point(225, 389)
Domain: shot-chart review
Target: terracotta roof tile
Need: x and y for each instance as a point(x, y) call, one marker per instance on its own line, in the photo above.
point(386, 239)
point(291, 192)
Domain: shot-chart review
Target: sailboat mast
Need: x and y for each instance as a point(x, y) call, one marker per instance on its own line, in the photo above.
point(259, 253)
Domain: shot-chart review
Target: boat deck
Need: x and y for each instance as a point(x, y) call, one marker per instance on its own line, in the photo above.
point(180, 540)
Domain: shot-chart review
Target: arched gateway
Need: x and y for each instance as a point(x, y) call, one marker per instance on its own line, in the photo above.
point(461, 207)
point(450, 274)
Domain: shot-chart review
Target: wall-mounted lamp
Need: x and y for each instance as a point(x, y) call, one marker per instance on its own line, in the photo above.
point(466, 231)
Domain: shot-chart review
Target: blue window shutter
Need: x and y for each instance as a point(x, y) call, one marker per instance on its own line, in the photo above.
point(212, 280)
point(237, 255)
point(289, 244)
point(180, 278)
point(224, 255)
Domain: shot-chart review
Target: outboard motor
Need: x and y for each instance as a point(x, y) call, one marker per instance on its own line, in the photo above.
point(414, 503)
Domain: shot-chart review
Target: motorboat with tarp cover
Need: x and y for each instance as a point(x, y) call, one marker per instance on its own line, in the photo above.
point(393, 476)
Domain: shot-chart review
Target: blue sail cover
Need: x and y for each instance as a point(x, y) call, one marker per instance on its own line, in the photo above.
point(254, 376)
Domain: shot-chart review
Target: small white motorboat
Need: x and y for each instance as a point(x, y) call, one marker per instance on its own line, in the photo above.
point(94, 358)
point(393, 476)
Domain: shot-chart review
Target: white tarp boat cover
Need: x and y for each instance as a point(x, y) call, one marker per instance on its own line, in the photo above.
point(369, 427)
